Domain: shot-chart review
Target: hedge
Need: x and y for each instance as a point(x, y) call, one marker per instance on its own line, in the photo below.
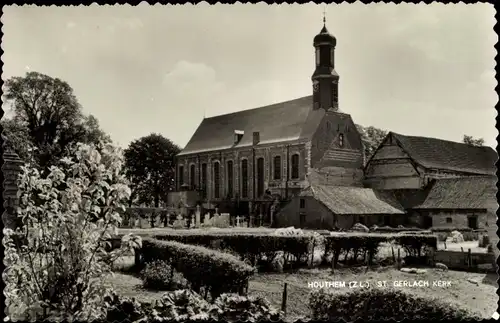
point(382, 304)
point(250, 246)
point(212, 270)
point(257, 247)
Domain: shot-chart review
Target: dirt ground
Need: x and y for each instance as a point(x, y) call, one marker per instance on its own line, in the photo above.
point(477, 296)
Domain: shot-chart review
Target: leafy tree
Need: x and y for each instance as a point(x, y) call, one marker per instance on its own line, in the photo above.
point(150, 167)
point(472, 141)
point(58, 271)
point(48, 111)
point(372, 137)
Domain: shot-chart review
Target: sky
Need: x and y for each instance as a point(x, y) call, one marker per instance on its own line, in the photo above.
point(424, 70)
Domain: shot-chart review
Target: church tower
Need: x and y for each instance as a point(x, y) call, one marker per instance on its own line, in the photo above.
point(325, 79)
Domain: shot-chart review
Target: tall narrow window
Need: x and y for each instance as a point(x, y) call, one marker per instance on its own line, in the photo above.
point(302, 203)
point(192, 178)
point(332, 57)
point(181, 175)
point(317, 57)
point(204, 180)
point(341, 140)
point(260, 177)
point(277, 167)
point(244, 178)
point(295, 166)
point(230, 178)
point(216, 180)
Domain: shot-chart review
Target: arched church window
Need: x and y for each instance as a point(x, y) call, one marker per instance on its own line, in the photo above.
point(260, 176)
point(277, 167)
point(216, 180)
point(244, 178)
point(295, 166)
point(317, 57)
point(230, 178)
point(192, 178)
point(341, 140)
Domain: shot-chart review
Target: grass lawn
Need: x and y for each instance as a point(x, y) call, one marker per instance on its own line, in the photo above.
point(480, 298)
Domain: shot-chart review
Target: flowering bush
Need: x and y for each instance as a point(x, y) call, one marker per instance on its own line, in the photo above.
point(67, 219)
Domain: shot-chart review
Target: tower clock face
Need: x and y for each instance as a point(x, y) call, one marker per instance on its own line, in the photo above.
point(315, 86)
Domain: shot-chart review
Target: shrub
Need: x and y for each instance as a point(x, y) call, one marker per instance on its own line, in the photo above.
point(381, 304)
point(186, 305)
point(159, 275)
point(180, 306)
point(125, 309)
point(484, 241)
point(217, 272)
point(490, 248)
point(233, 307)
point(68, 218)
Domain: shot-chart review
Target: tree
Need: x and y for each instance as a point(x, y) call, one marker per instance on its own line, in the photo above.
point(50, 114)
point(472, 141)
point(372, 137)
point(150, 167)
point(67, 219)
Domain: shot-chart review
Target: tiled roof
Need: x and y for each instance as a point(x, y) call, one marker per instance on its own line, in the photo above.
point(286, 121)
point(475, 192)
point(353, 200)
point(449, 155)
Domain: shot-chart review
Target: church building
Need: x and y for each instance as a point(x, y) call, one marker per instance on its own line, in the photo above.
point(257, 161)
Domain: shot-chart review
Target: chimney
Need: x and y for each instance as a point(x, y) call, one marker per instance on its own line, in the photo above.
point(256, 137)
point(238, 134)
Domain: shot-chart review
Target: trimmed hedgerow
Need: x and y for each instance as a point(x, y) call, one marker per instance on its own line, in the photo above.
point(254, 247)
point(264, 248)
point(214, 271)
point(381, 304)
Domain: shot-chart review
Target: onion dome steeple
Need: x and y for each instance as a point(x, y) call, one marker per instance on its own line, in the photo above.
point(325, 79)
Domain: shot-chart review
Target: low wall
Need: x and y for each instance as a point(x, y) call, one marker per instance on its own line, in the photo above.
point(459, 260)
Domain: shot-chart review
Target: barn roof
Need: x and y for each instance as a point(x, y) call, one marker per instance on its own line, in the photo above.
point(288, 121)
point(474, 192)
point(449, 155)
point(354, 200)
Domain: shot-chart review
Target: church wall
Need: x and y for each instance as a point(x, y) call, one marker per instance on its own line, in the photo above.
point(332, 163)
point(268, 152)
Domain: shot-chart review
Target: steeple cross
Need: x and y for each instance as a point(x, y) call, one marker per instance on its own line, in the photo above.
point(324, 15)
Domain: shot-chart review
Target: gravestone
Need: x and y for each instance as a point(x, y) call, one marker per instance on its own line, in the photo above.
point(206, 221)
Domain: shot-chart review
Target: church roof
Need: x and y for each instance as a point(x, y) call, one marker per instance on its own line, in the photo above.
point(288, 121)
point(448, 155)
point(354, 200)
point(475, 192)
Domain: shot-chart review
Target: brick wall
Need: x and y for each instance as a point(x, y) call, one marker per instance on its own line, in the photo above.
point(325, 144)
point(458, 219)
point(267, 152)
